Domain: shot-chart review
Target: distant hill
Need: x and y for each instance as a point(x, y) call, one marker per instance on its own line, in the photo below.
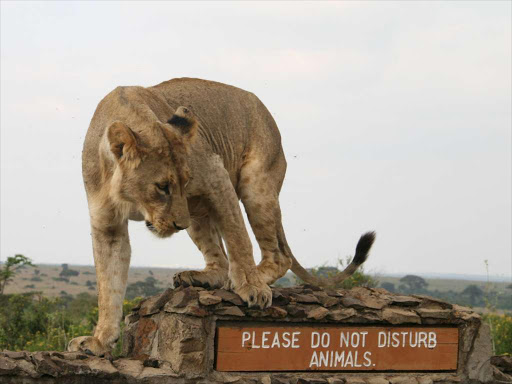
point(454, 276)
point(52, 282)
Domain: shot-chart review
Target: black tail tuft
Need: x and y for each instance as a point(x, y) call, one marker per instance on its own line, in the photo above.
point(363, 247)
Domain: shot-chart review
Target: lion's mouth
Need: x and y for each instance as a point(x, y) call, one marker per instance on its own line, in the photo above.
point(159, 232)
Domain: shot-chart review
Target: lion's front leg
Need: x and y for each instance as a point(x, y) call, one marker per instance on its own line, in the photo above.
point(208, 241)
point(245, 279)
point(111, 248)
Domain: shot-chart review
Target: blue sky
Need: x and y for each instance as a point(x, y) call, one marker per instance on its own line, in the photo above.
point(395, 117)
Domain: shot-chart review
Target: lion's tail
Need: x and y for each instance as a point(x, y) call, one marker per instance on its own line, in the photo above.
point(362, 249)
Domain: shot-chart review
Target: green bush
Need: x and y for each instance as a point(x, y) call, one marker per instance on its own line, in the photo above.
point(501, 330)
point(35, 323)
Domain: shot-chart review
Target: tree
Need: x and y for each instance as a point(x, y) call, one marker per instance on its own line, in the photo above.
point(413, 284)
point(10, 268)
point(144, 288)
point(388, 286)
point(475, 294)
point(68, 272)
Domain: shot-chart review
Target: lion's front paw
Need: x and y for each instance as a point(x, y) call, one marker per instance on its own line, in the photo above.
point(90, 345)
point(208, 278)
point(253, 295)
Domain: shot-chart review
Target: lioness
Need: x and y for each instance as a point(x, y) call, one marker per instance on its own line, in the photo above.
point(180, 155)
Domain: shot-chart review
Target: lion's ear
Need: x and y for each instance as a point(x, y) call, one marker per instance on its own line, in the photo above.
point(184, 122)
point(123, 143)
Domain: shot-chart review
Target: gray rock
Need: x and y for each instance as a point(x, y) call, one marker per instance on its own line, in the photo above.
point(279, 380)
point(26, 368)
point(341, 314)
point(131, 318)
point(318, 313)
point(7, 366)
point(181, 343)
point(303, 298)
point(149, 374)
point(377, 380)
point(328, 301)
point(44, 364)
point(279, 299)
point(206, 298)
point(229, 311)
point(368, 298)
point(335, 380)
point(355, 380)
point(431, 302)
point(434, 313)
point(128, 367)
point(276, 312)
point(403, 380)
point(311, 380)
point(102, 368)
point(400, 316)
point(447, 379)
point(504, 363)
point(405, 301)
point(296, 310)
point(14, 355)
point(228, 296)
point(479, 365)
point(352, 302)
point(72, 367)
point(192, 308)
point(182, 297)
point(501, 377)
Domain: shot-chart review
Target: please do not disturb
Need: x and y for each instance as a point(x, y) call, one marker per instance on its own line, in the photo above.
point(344, 356)
point(313, 348)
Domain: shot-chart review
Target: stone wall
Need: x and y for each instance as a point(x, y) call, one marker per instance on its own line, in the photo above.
point(170, 338)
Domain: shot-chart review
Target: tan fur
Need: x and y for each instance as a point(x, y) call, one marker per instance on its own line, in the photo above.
point(222, 146)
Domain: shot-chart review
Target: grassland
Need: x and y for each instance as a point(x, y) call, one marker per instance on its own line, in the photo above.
point(50, 285)
point(27, 280)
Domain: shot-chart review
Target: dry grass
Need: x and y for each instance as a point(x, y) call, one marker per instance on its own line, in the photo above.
point(77, 284)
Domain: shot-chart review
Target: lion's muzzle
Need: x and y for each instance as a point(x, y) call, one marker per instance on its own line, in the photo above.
point(164, 229)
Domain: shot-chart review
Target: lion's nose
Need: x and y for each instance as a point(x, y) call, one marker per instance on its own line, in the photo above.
point(178, 227)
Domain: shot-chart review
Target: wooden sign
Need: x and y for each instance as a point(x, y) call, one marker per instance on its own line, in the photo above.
point(292, 347)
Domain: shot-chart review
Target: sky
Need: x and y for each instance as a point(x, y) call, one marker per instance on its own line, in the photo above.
point(394, 116)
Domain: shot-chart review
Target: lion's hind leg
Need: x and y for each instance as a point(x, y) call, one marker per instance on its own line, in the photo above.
point(206, 237)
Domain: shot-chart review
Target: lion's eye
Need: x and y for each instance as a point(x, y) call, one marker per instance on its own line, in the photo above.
point(163, 187)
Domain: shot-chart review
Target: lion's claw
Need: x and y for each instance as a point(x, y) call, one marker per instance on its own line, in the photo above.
point(255, 296)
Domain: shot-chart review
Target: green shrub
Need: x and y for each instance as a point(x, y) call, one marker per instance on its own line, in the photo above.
point(35, 323)
point(501, 330)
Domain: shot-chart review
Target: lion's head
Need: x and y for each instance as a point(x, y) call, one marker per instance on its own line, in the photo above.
point(152, 171)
